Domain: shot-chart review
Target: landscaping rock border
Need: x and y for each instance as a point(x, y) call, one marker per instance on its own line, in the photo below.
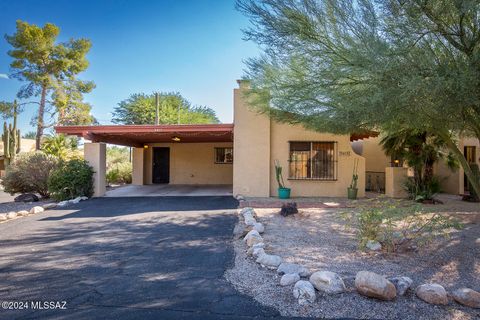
point(5, 217)
point(366, 283)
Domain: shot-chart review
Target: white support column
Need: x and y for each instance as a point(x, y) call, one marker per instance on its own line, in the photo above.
point(137, 166)
point(96, 155)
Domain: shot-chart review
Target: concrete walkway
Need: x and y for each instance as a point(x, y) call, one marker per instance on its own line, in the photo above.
point(161, 190)
point(126, 258)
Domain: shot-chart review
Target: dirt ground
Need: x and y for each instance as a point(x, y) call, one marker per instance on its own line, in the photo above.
point(319, 239)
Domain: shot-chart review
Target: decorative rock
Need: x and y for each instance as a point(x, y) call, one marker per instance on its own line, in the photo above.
point(402, 284)
point(374, 285)
point(304, 292)
point(269, 260)
point(3, 217)
point(288, 209)
point(11, 215)
point(259, 227)
point(83, 198)
point(249, 220)
point(289, 278)
point(26, 197)
point(258, 252)
point(240, 197)
point(23, 213)
point(373, 245)
point(253, 237)
point(250, 250)
point(36, 209)
point(286, 268)
point(467, 297)
point(62, 203)
point(432, 293)
point(76, 200)
point(49, 205)
point(328, 282)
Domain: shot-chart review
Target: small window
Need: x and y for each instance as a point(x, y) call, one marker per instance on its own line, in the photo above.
point(223, 155)
point(313, 161)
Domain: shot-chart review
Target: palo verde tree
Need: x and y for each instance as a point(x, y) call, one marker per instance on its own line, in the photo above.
point(343, 66)
point(173, 109)
point(49, 70)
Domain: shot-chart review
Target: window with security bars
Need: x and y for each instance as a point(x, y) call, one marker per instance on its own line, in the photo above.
point(223, 155)
point(313, 160)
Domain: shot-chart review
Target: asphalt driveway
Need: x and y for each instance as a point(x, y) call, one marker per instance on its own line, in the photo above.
point(125, 258)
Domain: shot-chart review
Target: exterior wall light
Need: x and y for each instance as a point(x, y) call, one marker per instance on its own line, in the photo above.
point(175, 138)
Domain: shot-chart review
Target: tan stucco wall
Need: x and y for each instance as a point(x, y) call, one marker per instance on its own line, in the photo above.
point(96, 156)
point(375, 158)
point(191, 163)
point(453, 181)
point(281, 134)
point(394, 182)
point(251, 149)
point(137, 166)
point(258, 142)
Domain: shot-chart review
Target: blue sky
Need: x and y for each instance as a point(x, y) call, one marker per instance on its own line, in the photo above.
point(193, 47)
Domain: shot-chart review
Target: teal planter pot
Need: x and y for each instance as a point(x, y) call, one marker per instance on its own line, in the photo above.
point(284, 193)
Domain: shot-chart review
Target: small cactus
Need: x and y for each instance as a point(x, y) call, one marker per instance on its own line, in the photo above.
point(11, 138)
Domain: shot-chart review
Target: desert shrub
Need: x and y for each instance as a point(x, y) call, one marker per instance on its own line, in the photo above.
point(73, 178)
point(120, 173)
point(424, 190)
point(30, 173)
point(398, 228)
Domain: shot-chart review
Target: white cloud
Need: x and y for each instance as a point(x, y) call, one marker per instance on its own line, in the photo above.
point(4, 76)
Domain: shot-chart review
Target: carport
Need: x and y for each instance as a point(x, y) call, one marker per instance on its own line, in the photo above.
point(166, 159)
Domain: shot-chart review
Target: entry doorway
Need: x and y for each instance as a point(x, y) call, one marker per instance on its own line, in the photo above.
point(161, 165)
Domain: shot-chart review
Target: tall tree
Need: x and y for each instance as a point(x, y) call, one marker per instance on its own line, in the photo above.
point(140, 108)
point(49, 69)
point(343, 66)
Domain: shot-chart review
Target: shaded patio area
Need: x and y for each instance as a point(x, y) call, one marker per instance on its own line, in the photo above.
point(177, 190)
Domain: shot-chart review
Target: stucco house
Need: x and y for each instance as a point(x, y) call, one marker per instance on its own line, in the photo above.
point(239, 155)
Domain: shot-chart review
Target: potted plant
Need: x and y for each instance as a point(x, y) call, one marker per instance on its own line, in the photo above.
point(283, 193)
point(353, 190)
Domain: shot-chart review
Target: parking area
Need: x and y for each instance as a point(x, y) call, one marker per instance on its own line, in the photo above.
point(170, 190)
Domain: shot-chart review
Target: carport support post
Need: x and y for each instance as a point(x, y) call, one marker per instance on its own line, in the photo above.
point(137, 166)
point(96, 155)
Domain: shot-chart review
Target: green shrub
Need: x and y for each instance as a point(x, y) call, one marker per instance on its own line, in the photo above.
point(30, 173)
point(397, 228)
point(422, 191)
point(71, 179)
point(120, 173)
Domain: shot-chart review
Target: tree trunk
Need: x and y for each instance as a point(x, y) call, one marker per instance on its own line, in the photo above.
point(41, 112)
point(461, 158)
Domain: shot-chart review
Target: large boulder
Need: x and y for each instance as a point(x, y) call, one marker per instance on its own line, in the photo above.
point(252, 238)
point(286, 268)
point(249, 220)
point(269, 260)
point(289, 279)
point(374, 285)
point(402, 284)
point(304, 292)
point(328, 282)
point(26, 197)
point(467, 297)
point(432, 293)
point(36, 209)
point(3, 217)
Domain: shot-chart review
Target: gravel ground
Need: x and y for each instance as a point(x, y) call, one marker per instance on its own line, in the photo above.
point(318, 239)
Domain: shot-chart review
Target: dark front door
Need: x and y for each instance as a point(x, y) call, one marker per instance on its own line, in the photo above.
point(161, 165)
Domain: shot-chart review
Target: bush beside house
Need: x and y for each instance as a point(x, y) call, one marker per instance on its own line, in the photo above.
point(70, 180)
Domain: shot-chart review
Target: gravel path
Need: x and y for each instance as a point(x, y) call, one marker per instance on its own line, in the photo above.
point(319, 240)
